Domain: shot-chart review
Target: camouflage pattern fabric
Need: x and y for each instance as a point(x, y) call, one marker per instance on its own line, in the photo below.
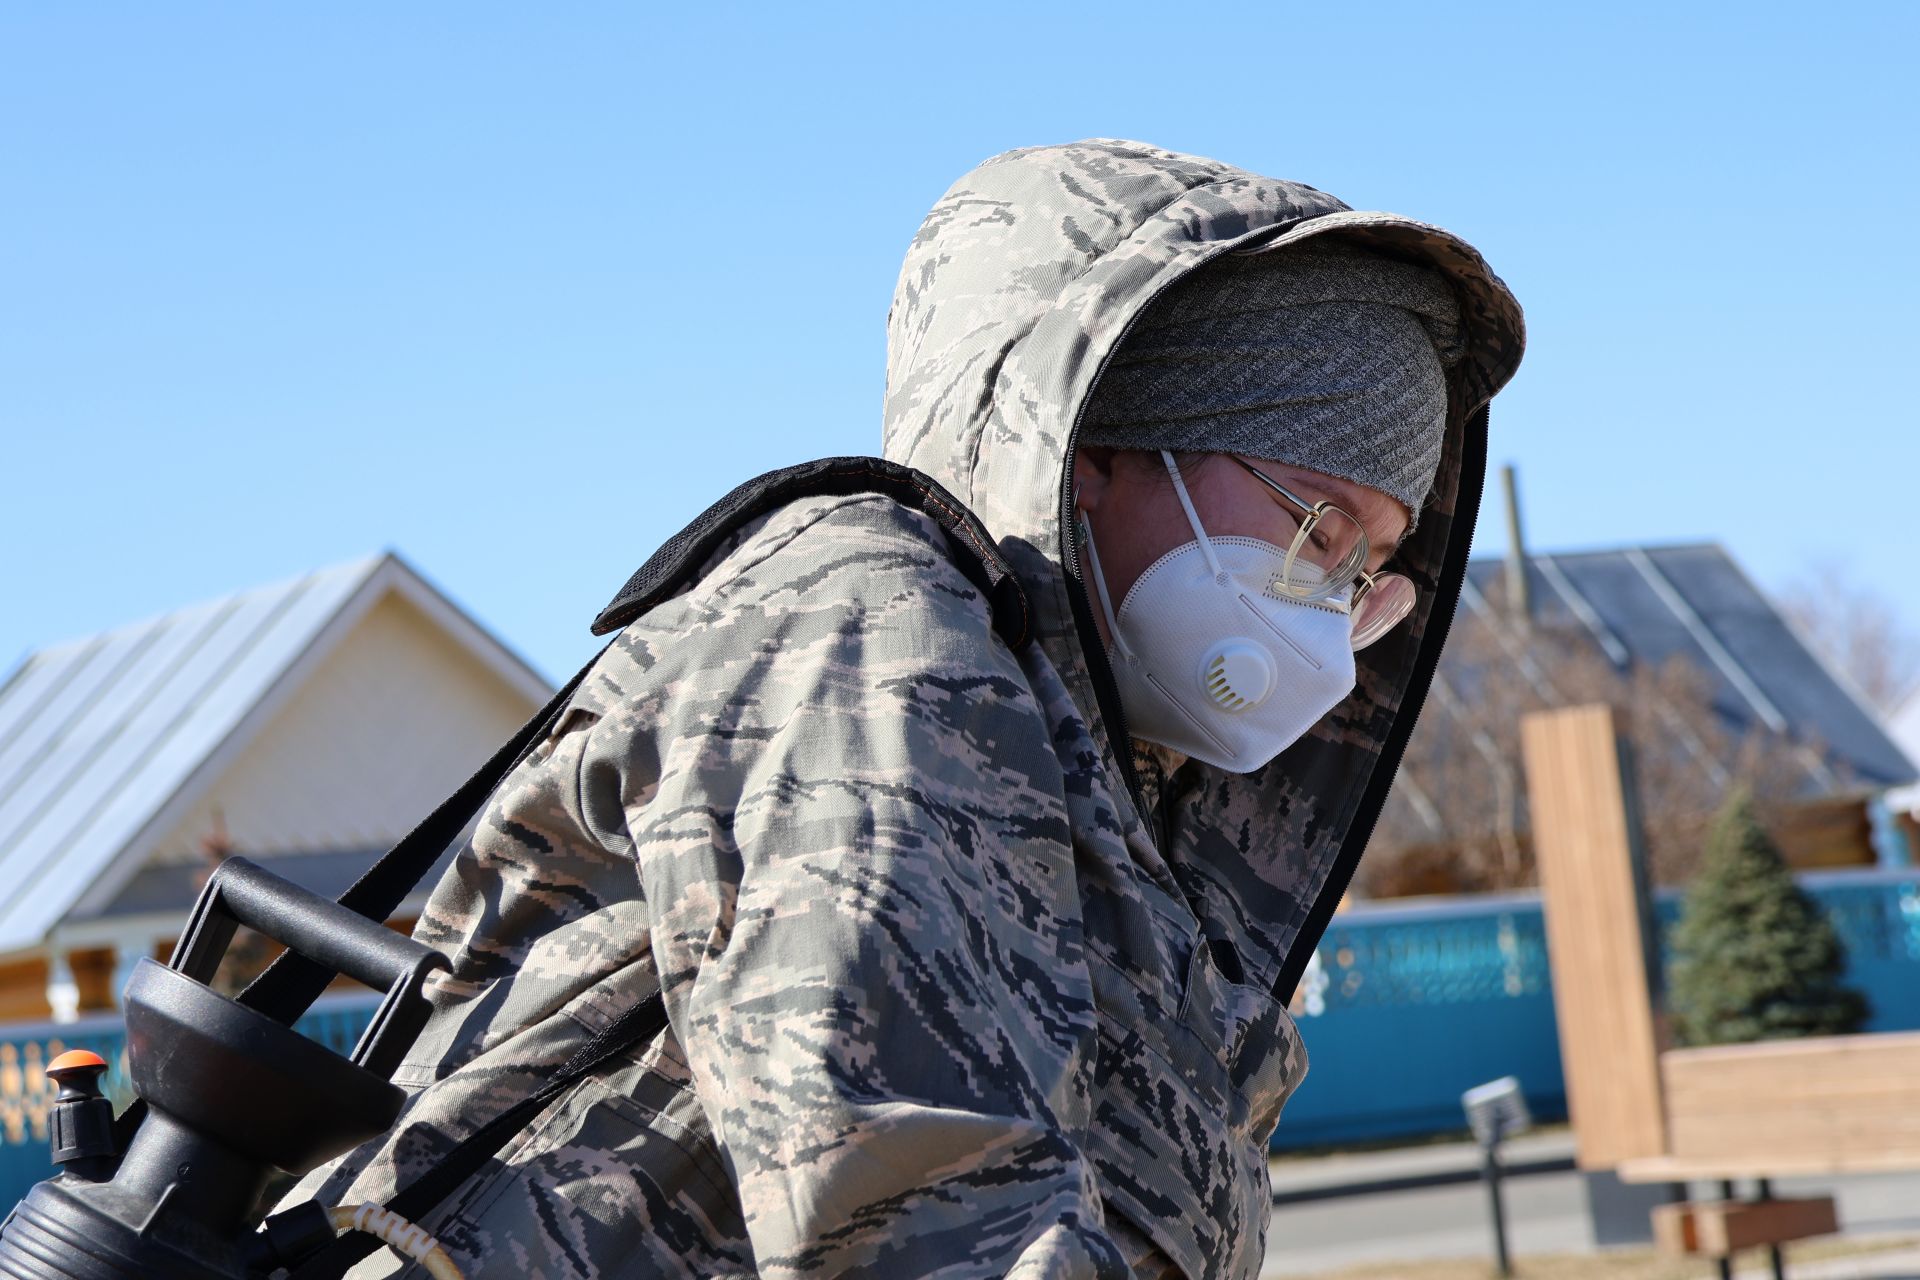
point(948, 993)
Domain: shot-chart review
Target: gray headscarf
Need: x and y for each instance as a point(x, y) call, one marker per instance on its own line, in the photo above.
point(1329, 357)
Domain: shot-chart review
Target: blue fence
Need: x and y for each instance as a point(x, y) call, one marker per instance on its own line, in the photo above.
point(1406, 1007)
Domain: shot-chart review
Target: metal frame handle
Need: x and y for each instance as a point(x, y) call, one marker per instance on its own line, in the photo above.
point(242, 892)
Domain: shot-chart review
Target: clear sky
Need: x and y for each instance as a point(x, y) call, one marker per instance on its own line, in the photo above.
point(518, 289)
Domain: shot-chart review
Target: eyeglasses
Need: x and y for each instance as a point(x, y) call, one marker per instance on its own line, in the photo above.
point(1326, 556)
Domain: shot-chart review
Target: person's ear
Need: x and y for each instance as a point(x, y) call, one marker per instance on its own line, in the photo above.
point(1092, 477)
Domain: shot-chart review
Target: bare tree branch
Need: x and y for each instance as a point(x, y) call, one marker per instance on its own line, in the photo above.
point(1854, 627)
point(1468, 830)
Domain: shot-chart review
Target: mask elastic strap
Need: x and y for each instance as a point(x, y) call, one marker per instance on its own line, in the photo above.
point(1100, 585)
point(1186, 504)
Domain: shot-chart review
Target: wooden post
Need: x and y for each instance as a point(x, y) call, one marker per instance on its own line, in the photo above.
point(1593, 891)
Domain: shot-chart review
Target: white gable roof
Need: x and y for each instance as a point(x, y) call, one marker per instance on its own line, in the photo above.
point(1904, 727)
point(106, 743)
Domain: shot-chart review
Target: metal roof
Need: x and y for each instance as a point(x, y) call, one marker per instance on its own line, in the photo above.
point(103, 739)
point(1645, 605)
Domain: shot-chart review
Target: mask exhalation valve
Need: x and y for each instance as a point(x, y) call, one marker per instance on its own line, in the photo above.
point(1237, 675)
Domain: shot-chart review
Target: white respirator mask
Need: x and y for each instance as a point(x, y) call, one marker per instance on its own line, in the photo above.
point(1213, 659)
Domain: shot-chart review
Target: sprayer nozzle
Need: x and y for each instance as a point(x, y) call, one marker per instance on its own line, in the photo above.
point(81, 1123)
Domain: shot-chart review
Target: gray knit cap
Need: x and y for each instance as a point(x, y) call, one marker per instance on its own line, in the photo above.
point(1329, 357)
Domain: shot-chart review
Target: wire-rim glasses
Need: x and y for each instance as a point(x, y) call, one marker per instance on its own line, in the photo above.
point(1328, 554)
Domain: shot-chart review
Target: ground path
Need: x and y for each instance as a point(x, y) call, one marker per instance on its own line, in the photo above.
point(1546, 1212)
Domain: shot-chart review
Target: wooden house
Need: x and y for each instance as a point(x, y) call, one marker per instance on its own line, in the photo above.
point(308, 725)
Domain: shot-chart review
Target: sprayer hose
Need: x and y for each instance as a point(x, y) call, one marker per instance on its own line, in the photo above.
point(402, 1236)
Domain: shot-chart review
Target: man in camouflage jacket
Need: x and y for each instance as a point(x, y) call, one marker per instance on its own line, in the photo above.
point(958, 984)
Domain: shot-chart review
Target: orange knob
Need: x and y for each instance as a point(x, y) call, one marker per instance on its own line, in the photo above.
point(75, 1061)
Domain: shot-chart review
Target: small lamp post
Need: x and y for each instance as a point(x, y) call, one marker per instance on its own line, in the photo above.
point(1496, 1111)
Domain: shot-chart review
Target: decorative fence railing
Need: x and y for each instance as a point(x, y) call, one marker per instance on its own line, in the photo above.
point(1403, 1009)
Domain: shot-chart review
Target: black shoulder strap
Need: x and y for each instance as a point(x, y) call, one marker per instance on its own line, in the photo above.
point(290, 984)
point(682, 555)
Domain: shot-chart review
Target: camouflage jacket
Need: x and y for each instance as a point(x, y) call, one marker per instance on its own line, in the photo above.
point(955, 985)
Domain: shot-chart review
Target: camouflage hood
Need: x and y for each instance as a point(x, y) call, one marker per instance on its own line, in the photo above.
point(1021, 282)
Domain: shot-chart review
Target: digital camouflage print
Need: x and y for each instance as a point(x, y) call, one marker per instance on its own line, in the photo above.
point(946, 997)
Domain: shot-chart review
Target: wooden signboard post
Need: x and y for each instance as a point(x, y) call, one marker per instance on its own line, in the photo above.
point(1653, 1114)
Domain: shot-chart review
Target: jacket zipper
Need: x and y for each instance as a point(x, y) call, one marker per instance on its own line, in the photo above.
point(1453, 572)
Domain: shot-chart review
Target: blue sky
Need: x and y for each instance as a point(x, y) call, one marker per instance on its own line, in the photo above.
point(518, 290)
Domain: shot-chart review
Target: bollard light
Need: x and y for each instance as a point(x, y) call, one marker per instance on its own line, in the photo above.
point(1496, 1111)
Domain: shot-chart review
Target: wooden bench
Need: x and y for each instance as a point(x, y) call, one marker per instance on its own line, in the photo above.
point(1721, 1228)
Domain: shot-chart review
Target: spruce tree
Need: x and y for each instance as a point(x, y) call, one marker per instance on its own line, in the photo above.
point(1754, 957)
